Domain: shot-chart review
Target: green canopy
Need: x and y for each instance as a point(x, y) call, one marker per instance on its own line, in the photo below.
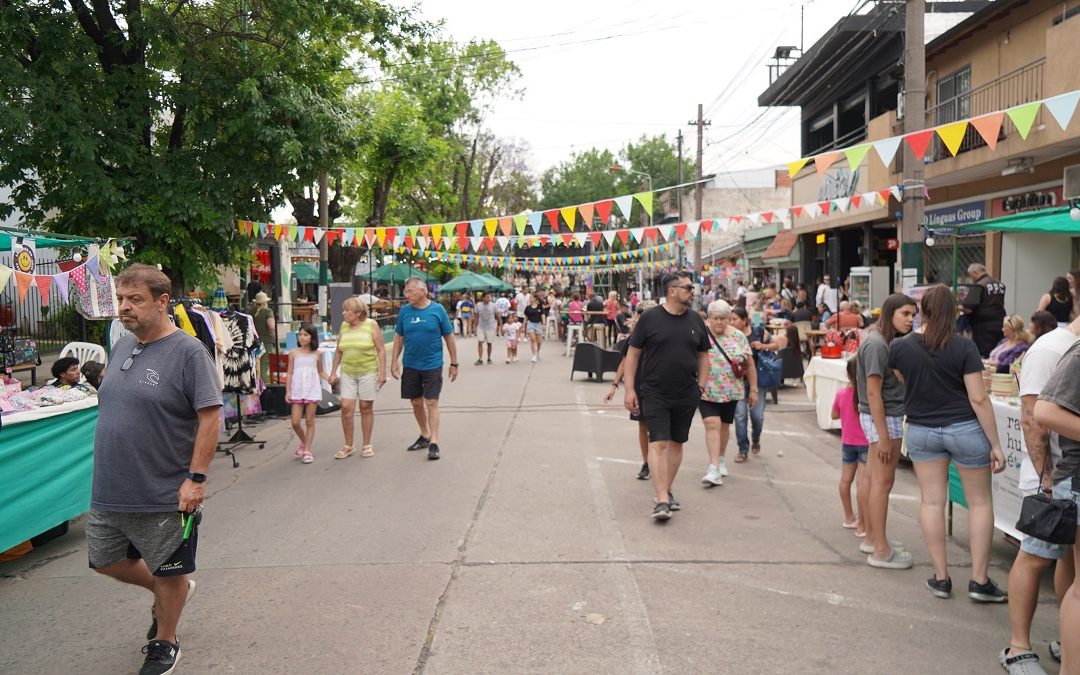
point(397, 274)
point(467, 281)
point(497, 283)
point(305, 273)
point(45, 241)
point(1054, 221)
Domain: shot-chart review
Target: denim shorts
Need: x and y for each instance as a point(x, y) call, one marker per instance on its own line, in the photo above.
point(895, 425)
point(854, 453)
point(964, 443)
point(1044, 549)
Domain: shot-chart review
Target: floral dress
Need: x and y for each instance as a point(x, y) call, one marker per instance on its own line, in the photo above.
point(722, 385)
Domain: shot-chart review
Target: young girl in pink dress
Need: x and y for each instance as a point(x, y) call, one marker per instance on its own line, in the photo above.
point(304, 391)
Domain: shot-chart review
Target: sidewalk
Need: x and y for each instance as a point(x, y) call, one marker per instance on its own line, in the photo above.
point(527, 548)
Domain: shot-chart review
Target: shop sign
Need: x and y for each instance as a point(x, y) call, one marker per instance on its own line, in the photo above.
point(945, 221)
point(820, 239)
point(892, 244)
point(838, 184)
point(1026, 201)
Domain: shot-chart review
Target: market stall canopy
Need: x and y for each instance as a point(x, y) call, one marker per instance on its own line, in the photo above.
point(45, 241)
point(498, 284)
point(467, 281)
point(397, 274)
point(1053, 221)
point(305, 273)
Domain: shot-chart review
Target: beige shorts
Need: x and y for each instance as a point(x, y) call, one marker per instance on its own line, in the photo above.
point(359, 387)
point(486, 334)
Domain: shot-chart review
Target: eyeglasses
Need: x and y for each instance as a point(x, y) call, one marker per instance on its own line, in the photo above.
point(686, 287)
point(131, 359)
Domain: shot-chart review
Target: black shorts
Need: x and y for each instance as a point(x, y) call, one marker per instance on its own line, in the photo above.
point(668, 421)
point(421, 383)
point(725, 411)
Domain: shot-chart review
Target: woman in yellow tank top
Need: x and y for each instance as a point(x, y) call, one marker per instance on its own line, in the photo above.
point(361, 356)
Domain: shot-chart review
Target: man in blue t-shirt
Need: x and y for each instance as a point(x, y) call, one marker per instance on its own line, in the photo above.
point(421, 327)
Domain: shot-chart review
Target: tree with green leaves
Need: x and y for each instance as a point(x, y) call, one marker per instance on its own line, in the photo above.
point(163, 120)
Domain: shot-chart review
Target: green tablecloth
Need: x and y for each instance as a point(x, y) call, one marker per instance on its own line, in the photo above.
point(45, 473)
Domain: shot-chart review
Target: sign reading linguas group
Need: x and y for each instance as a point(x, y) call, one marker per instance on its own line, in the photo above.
point(951, 219)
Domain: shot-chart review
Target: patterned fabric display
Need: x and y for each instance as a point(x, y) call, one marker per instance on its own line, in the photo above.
point(237, 361)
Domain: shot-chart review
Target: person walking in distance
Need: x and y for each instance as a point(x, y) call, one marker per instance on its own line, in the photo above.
point(149, 484)
point(643, 430)
point(672, 344)
point(534, 326)
point(487, 327)
point(305, 378)
point(511, 330)
point(421, 327)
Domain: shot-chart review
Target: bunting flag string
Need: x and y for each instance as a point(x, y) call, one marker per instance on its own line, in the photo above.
point(56, 285)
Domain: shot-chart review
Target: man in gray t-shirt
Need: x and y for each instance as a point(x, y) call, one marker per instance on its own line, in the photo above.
point(158, 418)
point(487, 326)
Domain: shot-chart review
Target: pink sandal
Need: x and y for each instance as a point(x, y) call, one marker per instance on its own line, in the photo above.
point(299, 452)
point(307, 458)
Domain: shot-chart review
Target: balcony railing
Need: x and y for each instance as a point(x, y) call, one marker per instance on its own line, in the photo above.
point(846, 140)
point(1019, 86)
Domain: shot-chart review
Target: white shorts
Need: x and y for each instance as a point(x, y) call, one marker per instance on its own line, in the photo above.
point(359, 387)
point(485, 334)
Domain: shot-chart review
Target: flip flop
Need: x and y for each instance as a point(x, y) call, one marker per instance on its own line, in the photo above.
point(851, 526)
point(368, 451)
point(344, 452)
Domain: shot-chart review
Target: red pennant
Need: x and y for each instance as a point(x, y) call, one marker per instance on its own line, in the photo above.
point(796, 212)
point(488, 243)
point(767, 216)
point(737, 219)
point(462, 230)
point(603, 209)
point(652, 232)
point(680, 230)
point(825, 207)
point(553, 218)
point(408, 242)
point(44, 284)
point(544, 239)
point(884, 194)
point(624, 235)
point(707, 225)
point(309, 234)
point(856, 201)
point(331, 236)
point(463, 244)
point(919, 142)
point(595, 238)
point(567, 238)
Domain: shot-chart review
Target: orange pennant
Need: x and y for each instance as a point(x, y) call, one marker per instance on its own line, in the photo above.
point(504, 225)
point(586, 211)
point(989, 127)
point(823, 161)
point(23, 281)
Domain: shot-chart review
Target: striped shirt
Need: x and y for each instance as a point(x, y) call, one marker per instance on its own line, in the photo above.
point(357, 345)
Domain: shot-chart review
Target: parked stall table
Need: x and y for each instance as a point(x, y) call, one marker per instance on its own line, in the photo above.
point(46, 464)
point(823, 378)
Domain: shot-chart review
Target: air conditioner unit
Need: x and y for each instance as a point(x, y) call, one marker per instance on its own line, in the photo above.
point(1071, 183)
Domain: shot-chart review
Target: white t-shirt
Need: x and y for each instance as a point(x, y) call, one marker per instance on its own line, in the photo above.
point(510, 331)
point(1040, 362)
point(502, 304)
point(521, 301)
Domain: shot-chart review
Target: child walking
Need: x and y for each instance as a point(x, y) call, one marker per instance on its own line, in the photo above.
point(854, 447)
point(511, 328)
point(304, 392)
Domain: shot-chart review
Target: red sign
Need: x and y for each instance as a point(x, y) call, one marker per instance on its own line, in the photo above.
point(892, 244)
point(1029, 200)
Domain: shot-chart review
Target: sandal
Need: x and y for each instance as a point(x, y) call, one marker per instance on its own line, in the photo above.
point(851, 526)
point(345, 451)
point(368, 451)
point(299, 452)
point(860, 535)
point(740, 458)
point(307, 458)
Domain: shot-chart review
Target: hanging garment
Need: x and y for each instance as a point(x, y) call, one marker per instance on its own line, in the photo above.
point(239, 371)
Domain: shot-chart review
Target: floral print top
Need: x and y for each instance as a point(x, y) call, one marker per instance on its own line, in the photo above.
point(721, 386)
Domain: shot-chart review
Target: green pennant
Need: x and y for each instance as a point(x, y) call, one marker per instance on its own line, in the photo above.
point(856, 154)
point(645, 199)
point(519, 224)
point(1023, 116)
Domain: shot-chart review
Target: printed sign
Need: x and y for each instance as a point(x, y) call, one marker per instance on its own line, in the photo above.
point(945, 221)
point(1026, 201)
point(1005, 485)
point(24, 254)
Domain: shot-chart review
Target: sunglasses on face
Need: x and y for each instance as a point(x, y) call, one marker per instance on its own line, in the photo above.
point(131, 359)
point(686, 287)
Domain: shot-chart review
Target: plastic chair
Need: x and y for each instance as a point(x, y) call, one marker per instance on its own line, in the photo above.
point(573, 336)
point(84, 351)
point(552, 324)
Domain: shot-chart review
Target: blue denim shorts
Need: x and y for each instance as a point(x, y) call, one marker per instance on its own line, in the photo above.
point(854, 453)
point(1044, 549)
point(964, 443)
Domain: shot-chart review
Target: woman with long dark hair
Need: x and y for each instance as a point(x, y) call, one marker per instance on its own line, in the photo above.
point(1058, 301)
point(950, 418)
point(881, 412)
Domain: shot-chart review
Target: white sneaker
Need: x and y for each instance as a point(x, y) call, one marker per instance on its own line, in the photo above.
point(712, 476)
point(867, 546)
point(722, 467)
point(533, 359)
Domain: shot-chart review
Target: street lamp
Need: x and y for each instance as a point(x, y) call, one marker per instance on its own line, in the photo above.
point(617, 167)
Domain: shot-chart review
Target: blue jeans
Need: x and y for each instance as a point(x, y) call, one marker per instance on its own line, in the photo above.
point(757, 420)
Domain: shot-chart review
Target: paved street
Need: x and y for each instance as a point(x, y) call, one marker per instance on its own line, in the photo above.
point(527, 548)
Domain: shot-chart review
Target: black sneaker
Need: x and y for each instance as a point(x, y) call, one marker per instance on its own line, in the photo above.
point(644, 473)
point(191, 585)
point(433, 451)
point(479, 362)
point(675, 505)
point(988, 592)
point(161, 657)
point(662, 511)
point(419, 444)
point(940, 589)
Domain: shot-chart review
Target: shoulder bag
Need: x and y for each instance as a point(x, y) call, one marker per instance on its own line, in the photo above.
point(738, 368)
point(770, 368)
point(1043, 517)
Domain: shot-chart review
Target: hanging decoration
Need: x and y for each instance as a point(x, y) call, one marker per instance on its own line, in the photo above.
point(56, 285)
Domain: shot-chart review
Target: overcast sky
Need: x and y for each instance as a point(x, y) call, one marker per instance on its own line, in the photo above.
point(600, 73)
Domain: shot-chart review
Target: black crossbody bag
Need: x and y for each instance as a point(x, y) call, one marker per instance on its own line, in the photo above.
point(1043, 517)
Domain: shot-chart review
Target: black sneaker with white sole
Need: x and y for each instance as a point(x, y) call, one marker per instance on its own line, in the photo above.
point(161, 657)
point(644, 473)
point(988, 592)
point(419, 444)
point(675, 505)
point(152, 633)
point(662, 511)
point(433, 451)
point(940, 588)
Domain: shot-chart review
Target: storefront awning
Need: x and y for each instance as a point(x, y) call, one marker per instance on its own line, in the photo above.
point(1051, 221)
point(305, 274)
point(781, 246)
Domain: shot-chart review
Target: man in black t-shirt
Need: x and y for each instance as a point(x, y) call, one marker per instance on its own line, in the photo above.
point(671, 343)
point(986, 317)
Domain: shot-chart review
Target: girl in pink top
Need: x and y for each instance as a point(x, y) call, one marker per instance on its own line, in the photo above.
point(854, 446)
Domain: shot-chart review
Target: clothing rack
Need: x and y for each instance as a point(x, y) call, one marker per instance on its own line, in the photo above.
point(239, 437)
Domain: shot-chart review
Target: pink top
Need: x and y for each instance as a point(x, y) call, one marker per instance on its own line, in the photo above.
point(851, 432)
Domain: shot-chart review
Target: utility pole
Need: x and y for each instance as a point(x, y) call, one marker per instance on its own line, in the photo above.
point(678, 190)
point(324, 248)
point(911, 249)
point(698, 187)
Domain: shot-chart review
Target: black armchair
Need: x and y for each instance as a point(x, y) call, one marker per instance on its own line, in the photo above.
point(591, 358)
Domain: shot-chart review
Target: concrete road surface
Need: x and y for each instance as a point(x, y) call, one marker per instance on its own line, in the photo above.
point(528, 548)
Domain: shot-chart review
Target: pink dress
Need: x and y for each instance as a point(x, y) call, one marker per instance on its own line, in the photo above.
point(305, 385)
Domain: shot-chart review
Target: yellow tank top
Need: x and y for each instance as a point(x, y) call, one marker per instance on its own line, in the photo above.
point(357, 345)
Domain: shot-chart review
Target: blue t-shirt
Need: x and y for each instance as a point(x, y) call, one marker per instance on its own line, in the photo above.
point(423, 330)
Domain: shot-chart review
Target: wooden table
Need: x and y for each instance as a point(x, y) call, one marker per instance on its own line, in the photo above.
point(812, 337)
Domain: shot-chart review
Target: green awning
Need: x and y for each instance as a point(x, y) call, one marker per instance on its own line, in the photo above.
point(305, 273)
point(45, 241)
point(1051, 221)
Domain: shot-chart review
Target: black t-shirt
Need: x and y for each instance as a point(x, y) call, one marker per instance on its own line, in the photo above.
point(620, 321)
point(1061, 389)
point(935, 394)
point(669, 360)
point(991, 306)
point(595, 306)
point(534, 314)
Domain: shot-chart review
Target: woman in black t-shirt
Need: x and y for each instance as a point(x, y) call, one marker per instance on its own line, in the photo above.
point(1059, 301)
point(534, 326)
point(949, 418)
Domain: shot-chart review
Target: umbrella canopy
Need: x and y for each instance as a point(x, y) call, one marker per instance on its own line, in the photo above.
point(466, 281)
point(497, 283)
point(397, 274)
point(305, 273)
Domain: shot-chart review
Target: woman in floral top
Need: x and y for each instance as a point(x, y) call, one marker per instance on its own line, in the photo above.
point(723, 389)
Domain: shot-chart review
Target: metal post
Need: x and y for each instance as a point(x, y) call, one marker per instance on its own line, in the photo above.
point(324, 250)
point(698, 189)
point(911, 249)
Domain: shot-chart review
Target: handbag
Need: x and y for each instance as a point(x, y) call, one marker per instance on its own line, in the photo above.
point(738, 368)
point(769, 370)
point(1048, 519)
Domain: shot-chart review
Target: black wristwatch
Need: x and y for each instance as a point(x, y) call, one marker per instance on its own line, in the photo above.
point(453, 365)
point(196, 477)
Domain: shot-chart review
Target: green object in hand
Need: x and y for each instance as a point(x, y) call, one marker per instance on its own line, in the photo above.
point(188, 522)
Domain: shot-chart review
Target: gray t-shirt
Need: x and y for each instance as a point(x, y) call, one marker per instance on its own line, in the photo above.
point(1061, 389)
point(485, 315)
point(873, 359)
point(147, 419)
